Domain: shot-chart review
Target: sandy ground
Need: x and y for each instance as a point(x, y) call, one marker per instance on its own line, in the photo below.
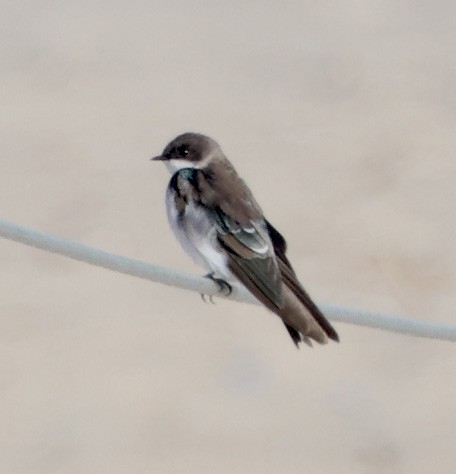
point(341, 116)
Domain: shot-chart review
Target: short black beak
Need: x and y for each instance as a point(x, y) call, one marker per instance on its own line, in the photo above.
point(158, 158)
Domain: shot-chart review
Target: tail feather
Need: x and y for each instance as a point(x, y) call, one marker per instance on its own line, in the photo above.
point(291, 282)
point(296, 288)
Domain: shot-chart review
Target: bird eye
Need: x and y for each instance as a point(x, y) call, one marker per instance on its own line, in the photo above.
point(183, 150)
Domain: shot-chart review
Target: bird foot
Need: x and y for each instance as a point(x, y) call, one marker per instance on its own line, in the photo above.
point(224, 287)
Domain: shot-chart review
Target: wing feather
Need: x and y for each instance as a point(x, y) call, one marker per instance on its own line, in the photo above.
point(251, 258)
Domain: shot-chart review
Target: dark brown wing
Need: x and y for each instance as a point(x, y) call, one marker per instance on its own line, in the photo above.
point(251, 259)
point(256, 250)
point(241, 231)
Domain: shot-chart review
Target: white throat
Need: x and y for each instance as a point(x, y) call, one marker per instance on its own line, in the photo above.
point(176, 165)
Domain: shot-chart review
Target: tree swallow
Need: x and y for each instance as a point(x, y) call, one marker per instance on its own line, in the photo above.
point(218, 222)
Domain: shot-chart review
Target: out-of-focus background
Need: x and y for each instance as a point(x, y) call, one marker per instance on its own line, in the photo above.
point(341, 116)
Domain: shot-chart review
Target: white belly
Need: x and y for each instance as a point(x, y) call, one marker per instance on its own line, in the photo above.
point(198, 237)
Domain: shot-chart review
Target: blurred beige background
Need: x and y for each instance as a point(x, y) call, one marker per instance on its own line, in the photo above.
point(341, 116)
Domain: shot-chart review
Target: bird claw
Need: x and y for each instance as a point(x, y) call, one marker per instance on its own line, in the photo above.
point(211, 298)
point(224, 287)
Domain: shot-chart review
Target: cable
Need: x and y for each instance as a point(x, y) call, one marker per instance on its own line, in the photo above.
point(201, 285)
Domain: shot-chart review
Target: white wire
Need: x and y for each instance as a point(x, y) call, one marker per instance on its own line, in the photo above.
point(205, 286)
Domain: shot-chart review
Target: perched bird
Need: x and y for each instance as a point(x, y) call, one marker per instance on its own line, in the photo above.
point(218, 222)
